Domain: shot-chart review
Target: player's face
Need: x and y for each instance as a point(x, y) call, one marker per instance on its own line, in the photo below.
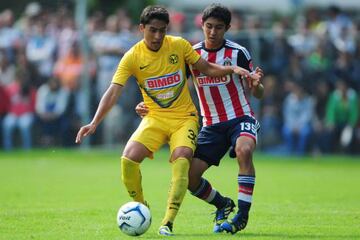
point(214, 31)
point(154, 33)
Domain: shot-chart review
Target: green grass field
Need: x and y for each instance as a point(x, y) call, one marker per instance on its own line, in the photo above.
point(58, 194)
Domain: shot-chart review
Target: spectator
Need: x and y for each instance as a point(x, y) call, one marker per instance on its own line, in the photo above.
point(109, 48)
point(342, 114)
point(7, 69)
point(23, 65)
point(270, 113)
point(10, 38)
point(339, 26)
point(321, 95)
point(4, 104)
point(68, 69)
point(21, 111)
point(40, 50)
point(51, 103)
point(298, 111)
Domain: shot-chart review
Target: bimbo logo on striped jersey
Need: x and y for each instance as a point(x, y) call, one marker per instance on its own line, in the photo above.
point(212, 81)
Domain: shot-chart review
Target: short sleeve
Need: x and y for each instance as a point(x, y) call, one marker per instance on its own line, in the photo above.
point(191, 56)
point(244, 60)
point(124, 69)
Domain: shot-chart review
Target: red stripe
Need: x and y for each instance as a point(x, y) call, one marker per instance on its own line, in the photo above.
point(205, 106)
point(246, 190)
point(247, 101)
point(232, 89)
point(203, 103)
point(207, 193)
point(215, 94)
point(248, 135)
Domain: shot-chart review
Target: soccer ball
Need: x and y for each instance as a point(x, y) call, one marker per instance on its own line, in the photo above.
point(134, 218)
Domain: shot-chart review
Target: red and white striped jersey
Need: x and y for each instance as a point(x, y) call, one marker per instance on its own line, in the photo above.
point(222, 98)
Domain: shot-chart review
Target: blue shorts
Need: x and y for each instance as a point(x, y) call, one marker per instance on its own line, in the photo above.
point(215, 140)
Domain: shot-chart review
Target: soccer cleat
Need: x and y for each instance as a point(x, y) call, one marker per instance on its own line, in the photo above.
point(166, 230)
point(222, 214)
point(146, 203)
point(236, 224)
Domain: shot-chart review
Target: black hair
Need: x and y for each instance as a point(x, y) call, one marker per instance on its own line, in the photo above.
point(217, 11)
point(154, 12)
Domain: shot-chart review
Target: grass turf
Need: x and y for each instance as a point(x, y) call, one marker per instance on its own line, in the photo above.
point(69, 194)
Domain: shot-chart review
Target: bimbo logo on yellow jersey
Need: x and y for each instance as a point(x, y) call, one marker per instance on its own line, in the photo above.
point(162, 82)
point(164, 90)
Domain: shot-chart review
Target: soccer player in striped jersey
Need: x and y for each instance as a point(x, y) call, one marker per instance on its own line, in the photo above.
point(158, 64)
point(228, 121)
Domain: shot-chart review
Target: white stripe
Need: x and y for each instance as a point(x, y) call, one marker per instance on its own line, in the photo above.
point(245, 197)
point(223, 91)
point(244, 104)
point(246, 179)
point(202, 53)
point(198, 45)
point(209, 100)
point(199, 189)
point(211, 104)
point(211, 195)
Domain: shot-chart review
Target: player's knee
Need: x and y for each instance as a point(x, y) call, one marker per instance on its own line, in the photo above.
point(244, 151)
point(182, 152)
point(136, 151)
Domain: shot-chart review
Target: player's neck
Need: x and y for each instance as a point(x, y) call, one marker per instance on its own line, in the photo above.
point(213, 46)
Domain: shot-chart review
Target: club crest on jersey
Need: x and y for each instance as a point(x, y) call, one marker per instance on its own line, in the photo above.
point(212, 81)
point(227, 62)
point(173, 59)
point(163, 82)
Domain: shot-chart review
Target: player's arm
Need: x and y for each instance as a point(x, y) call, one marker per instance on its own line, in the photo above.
point(216, 70)
point(108, 100)
point(257, 88)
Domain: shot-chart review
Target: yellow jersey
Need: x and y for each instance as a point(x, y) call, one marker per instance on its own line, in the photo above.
point(161, 76)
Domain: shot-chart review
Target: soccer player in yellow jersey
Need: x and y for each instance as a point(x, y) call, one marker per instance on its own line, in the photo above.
point(158, 64)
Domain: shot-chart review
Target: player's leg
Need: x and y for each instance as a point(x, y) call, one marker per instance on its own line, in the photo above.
point(182, 144)
point(145, 140)
point(245, 145)
point(133, 155)
point(211, 148)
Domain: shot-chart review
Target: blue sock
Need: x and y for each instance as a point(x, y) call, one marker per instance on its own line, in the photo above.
point(209, 194)
point(246, 188)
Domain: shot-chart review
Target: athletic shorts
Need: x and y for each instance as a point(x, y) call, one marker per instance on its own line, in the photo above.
point(155, 131)
point(215, 140)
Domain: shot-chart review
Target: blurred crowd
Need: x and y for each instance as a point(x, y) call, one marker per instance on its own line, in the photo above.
point(311, 61)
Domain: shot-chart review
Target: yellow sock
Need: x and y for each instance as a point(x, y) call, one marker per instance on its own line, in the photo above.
point(178, 188)
point(131, 177)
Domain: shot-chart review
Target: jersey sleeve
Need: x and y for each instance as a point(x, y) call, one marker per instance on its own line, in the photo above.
point(124, 69)
point(191, 56)
point(244, 60)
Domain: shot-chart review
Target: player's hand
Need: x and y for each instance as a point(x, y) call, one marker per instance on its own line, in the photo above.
point(255, 78)
point(241, 71)
point(259, 71)
point(85, 131)
point(141, 109)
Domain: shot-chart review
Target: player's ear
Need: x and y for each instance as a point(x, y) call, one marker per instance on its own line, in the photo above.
point(227, 27)
point(141, 27)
